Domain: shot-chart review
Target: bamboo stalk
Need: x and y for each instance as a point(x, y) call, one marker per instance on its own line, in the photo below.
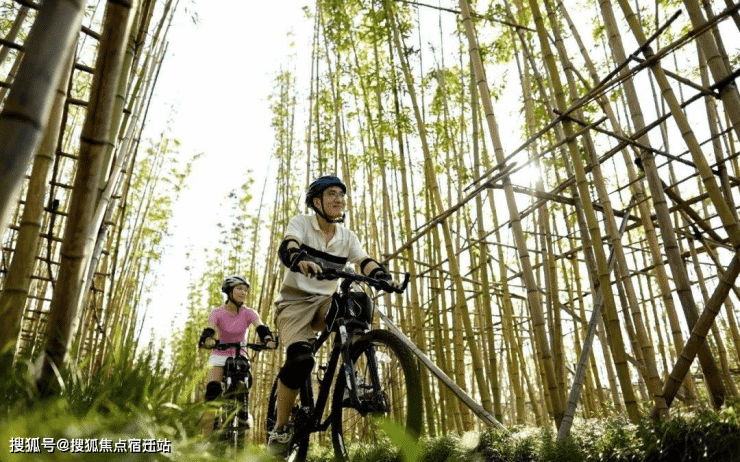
point(461, 304)
point(25, 115)
point(699, 333)
point(16, 286)
point(95, 137)
point(718, 66)
point(535, 303)
point(654, 183)
point(575, 391)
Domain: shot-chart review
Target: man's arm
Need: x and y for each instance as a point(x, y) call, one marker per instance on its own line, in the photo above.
point(289, 250)
point(371, 268)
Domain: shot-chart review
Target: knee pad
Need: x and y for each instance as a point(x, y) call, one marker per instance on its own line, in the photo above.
point(213, 390)
point(298, 365)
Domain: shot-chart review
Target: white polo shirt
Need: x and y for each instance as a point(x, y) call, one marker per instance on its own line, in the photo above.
point(344, 247)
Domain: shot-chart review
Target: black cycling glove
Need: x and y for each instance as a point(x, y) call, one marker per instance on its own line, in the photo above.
point(207, 333)
point(264, 333)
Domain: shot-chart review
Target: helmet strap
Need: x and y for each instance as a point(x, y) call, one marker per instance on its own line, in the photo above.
point(231, 299)
point(326, 218)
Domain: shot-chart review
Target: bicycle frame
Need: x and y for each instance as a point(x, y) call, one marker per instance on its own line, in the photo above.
point(230, 378)
point(343, 340)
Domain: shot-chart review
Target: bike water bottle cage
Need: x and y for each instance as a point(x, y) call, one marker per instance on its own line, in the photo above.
point(207, 333)
point(287, 255)
point(298, 365)
point(213, 390)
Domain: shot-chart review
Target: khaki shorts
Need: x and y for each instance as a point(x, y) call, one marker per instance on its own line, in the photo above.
point(298, 319)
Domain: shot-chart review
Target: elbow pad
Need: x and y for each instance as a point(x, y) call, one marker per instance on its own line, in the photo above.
point(379, 272)
point(286, 254)
point(264, 333)
point(207, 333)
point(366, 262)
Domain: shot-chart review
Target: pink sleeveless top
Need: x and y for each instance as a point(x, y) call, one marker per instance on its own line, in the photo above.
point(232, 327)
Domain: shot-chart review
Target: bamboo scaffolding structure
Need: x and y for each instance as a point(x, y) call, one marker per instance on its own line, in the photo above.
point(16, 286)
point(95, 138)
point(505, 248)
point(699, 333)
point(575, 390)
point(22, 125)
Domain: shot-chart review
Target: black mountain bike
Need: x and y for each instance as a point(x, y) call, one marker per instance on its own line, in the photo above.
point(232, 417)
point(377, 377)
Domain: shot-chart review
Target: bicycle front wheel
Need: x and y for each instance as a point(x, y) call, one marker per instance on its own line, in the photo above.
point(234, 418)
point(225, 428)
point(388, 391)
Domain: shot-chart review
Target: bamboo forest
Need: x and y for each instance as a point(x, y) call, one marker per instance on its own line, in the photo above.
point(555, 177)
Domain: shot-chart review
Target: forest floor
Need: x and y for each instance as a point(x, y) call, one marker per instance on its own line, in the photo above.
point(137, 410)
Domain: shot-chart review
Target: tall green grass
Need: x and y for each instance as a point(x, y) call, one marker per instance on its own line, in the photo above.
point(130, 398)
point(134, 398)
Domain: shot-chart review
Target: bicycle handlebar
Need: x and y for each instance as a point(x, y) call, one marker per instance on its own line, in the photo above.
point(252, 346)
point(329, 273)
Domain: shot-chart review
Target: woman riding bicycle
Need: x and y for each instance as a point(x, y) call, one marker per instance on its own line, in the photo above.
point(304, 300)
point(231, 321)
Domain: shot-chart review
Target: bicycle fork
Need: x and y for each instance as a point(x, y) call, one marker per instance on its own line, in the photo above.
point(356, 386)
point(347, 366)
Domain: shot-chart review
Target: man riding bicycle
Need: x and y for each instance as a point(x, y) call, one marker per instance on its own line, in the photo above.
point(303, 301)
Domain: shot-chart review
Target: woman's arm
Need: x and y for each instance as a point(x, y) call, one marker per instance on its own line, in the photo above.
point(207, 337)
point(265, 334)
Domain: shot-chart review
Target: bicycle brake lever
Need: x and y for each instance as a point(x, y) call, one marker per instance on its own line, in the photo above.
point(405, 283)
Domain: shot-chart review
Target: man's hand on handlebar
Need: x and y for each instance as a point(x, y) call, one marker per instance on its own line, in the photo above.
point(386, 277)
point(312, 267)
point(304, 264)
point(309, 268)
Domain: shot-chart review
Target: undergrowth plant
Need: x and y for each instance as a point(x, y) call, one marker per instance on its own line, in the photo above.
point(132, 403)
point(706, 436)
point(135, 399)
